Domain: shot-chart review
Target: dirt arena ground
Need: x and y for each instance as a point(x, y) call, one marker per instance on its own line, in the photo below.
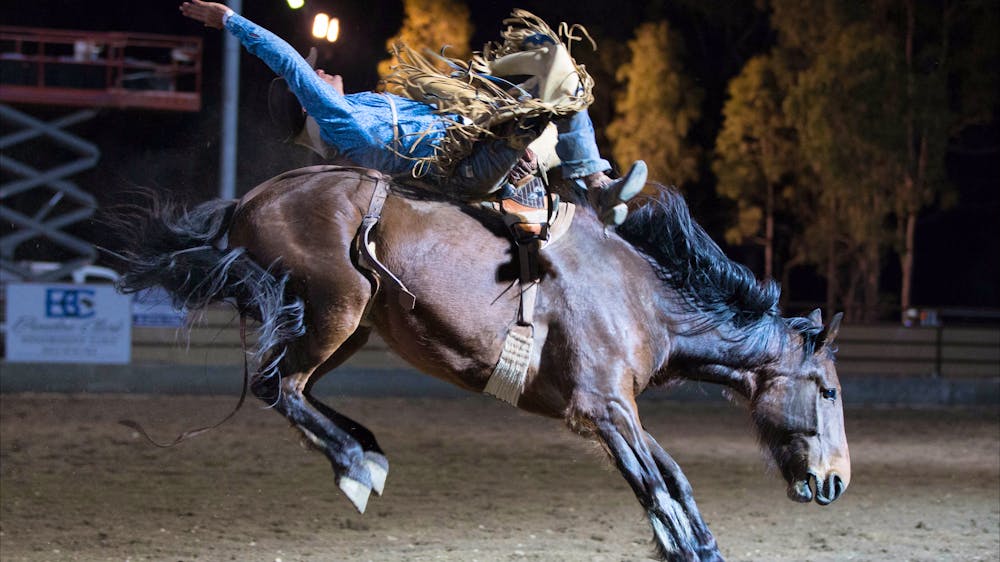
point(471, 479)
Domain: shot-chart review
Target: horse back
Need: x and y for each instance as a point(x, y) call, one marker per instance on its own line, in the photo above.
point(303, 215)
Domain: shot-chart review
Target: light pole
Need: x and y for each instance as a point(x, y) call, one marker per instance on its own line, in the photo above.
point(230, 109)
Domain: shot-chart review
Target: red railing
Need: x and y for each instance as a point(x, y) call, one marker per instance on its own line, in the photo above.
point(100, 69)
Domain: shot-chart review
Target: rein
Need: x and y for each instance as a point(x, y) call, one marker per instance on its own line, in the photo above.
point(198, 431)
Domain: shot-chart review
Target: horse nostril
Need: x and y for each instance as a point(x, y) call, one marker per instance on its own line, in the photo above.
point(830, 489)
point(801, 491)
point(838, 486)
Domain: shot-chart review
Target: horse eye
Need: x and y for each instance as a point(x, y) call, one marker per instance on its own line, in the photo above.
point(829, 393)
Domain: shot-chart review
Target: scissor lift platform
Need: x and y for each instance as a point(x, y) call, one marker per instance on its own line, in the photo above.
point(84, 71)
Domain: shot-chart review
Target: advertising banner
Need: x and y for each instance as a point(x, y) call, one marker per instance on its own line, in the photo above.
point(66, 323)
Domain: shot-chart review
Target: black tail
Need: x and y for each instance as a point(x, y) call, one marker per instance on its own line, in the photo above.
point(183, 251)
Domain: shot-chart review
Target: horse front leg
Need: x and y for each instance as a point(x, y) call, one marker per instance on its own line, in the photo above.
point(680, 489)
point(677, 536)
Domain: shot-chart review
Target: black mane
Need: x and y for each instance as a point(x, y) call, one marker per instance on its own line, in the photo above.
point(689, 261)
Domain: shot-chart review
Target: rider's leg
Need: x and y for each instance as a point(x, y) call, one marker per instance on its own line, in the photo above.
point(486, 169)
point(577, 147)
point(582, 162)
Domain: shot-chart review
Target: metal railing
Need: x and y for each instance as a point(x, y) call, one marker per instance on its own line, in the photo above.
point(100, 69)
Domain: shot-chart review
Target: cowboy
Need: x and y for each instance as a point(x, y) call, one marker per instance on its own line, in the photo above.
point(400, 135)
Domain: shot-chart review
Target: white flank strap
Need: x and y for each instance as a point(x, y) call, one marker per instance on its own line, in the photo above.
point(511, 371)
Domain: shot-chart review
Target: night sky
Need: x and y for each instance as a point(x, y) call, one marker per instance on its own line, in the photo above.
point(958, 261)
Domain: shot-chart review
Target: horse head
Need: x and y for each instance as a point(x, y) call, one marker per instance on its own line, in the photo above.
point(796, 405)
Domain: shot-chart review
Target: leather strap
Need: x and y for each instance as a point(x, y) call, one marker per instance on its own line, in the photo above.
point(395, 121)
point(366, 252)
point(379, 194)
point(527, 254)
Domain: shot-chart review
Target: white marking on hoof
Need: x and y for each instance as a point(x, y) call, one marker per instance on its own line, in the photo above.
point(355, 491)
point(378, 474)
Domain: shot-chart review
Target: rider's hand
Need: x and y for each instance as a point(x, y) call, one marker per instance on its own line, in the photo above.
point(334, 80)
point(208, 13)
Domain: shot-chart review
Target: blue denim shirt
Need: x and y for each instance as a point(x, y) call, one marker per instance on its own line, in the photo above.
point(371, 129)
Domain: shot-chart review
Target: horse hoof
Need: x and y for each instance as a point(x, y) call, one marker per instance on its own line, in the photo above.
point(355, 491)
point(378, 467)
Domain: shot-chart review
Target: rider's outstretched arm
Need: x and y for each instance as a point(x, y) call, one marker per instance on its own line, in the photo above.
point(318, 97)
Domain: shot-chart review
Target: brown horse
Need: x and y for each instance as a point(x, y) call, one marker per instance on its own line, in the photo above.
point(617, 311)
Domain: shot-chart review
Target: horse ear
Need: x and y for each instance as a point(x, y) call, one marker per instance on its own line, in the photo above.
point(816, 318)
point(829, 333)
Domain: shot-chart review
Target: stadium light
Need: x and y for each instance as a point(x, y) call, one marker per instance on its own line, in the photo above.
point(320, 25)
point(325, 27)
point(334, 30)
point(296, 4)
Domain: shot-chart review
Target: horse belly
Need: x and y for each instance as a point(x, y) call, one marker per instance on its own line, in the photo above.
point(464, 281)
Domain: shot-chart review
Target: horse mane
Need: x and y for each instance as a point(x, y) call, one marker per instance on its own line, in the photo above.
point(684, 256)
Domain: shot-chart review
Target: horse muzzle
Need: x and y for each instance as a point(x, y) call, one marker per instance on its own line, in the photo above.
point(824, 490)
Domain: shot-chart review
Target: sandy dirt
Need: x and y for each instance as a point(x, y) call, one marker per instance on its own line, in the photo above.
point(471, 479)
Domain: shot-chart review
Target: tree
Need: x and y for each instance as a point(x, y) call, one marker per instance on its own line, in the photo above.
point(878, 105)
point(791, 145)
point(658, 107)
point(853, 109)
point(432, 25)
point(933, 67)
point(845, 106)
point(756, 156)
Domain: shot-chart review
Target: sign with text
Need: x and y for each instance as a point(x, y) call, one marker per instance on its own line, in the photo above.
point(63, 323)
point(154, 307)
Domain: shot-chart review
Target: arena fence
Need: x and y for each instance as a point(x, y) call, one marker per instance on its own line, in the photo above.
point(863, 350)
point(878, 364)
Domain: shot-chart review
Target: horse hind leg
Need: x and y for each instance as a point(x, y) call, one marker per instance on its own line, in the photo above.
point(676, 531)
point(284, 393)
point(287, 390)
point(375, 459)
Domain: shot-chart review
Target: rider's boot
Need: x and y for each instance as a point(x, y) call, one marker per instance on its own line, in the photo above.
point(608, 196)
point(523, 198)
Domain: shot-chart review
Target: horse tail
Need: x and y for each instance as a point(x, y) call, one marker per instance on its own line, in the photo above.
point(184, 251)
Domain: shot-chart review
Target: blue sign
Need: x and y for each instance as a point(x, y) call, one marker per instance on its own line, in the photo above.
point(69, 303)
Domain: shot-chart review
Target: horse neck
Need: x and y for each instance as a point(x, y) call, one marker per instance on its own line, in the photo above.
point(725, 354)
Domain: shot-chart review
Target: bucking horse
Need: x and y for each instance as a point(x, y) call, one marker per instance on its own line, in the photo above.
point(615, 311)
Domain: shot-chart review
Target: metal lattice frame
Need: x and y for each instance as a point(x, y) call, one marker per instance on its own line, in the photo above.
point(42, 223)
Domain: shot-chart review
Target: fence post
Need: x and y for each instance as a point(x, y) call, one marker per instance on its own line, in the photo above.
point(938, 351)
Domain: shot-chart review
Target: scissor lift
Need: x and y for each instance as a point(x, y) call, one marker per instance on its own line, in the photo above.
point(81, 71)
